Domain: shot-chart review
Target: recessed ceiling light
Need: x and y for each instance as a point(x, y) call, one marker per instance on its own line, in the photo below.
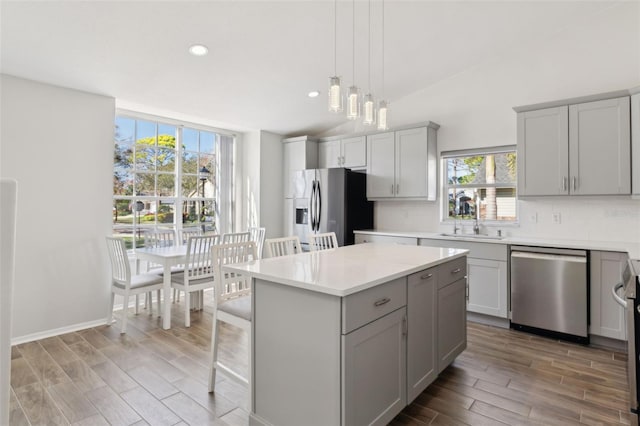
point(198, 50)
point(313, 94)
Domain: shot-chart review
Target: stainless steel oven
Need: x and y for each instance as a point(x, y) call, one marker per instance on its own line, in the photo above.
point(630, 283)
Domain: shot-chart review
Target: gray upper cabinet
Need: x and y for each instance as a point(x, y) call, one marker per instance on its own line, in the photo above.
point(600, 147)
point(635, 143)
point(577, 149)
point(543, 152)
point(348, 152)
point(402, 164)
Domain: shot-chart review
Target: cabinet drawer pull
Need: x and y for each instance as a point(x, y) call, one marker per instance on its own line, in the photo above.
point(426, 276)
point(455, 271)
point(381, 302)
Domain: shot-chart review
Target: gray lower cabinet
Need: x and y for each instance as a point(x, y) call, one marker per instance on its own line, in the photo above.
point(607, 317)
point(487, 275)
point(452, 313)
point(379, 348)
point(356, 360)
point(421, 313)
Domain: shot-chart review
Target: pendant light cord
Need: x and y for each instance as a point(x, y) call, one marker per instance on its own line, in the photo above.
point(382, 49)
point(369, 56)
point(335, 37)
point(353, 41)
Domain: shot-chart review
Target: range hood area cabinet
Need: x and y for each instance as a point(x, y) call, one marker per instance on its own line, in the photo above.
point(348, 152)
point(403, 164)
point(300, 153)
point(575, 148)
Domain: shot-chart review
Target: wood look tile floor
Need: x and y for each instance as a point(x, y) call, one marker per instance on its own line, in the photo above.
point(157, 377)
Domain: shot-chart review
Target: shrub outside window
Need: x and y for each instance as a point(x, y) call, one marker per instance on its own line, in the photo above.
point(480, 185)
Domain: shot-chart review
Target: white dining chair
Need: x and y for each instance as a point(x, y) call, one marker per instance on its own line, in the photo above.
point(257, 234)
point(232, 303)
point(282, 246)
point(155, 238)
point(325, 241)
point(191, 231)
point(235, 237)
point(123, 283)
point(197, 274)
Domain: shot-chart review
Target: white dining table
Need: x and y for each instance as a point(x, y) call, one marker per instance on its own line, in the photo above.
point(167, 257)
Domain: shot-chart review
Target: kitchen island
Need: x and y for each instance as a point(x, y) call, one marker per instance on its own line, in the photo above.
point(352, 335)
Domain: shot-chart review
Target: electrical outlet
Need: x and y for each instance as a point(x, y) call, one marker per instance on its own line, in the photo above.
point(533, 217)
point(555, 218)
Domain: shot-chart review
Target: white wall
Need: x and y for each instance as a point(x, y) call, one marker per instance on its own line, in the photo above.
point(263, 197)
point(58, 144)
point(474, 109)
point(271, 186)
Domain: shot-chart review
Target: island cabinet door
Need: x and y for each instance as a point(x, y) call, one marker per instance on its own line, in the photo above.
point(421, 331)
point(452, 322)
point(374, 371)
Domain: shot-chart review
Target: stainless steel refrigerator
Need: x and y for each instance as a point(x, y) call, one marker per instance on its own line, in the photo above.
point(330, 200)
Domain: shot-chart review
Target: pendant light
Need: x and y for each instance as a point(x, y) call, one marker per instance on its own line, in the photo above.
point(335, 92)
point(368, 104)
point(382, 106)
point(353, 98)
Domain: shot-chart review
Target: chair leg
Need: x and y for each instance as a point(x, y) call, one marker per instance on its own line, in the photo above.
point(125, 311)
point(177, 296)
point(137, 304)
point(158, 300)
point(110, 315)
point(214, 355)
point(187, 309)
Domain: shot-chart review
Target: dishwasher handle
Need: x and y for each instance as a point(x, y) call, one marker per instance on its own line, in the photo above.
point(616, 297)
point(549, 256)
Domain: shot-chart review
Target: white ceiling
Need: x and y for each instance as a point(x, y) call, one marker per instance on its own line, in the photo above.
point(264, 56)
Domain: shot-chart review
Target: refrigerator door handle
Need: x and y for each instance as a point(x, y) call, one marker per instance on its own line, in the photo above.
point(319, 205)
point(311, 205)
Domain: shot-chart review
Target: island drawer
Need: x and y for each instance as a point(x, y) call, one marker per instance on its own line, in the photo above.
point(368, 305)
point(452, 271)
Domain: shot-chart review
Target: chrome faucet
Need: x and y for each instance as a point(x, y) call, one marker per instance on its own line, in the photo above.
point(455, 225)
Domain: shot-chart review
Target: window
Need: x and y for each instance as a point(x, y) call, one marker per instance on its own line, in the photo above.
point(167, 176)
point(480, 185)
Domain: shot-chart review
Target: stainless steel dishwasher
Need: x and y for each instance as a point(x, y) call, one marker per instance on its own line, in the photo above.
point(549, 292)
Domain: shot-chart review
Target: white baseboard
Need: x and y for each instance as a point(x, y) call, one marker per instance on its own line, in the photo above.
point(57, 331)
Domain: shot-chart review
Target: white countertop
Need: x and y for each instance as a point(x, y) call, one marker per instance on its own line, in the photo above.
point(620, 246)
point(347, 270)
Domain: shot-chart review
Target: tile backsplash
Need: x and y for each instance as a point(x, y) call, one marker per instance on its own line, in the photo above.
point(570, 218)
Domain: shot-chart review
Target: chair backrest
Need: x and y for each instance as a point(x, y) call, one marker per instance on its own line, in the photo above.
point(283, 246)
point(325, 241)
point(192, 231)
point(257, 236)
point(230, 285)
point(235, 237)
point(198, 262)
point(159, 238)
point(120, 268)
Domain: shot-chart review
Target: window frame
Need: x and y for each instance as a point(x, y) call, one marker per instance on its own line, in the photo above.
point(444, 207)
point(224, 165)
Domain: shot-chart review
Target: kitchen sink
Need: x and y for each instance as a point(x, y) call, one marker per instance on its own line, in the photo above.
point(473, 236)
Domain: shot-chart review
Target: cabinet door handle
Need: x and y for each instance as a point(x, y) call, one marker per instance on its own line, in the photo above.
point(397, 189)
point(564, 183)
point(574, 183)
point(381, 302)
point(405, 326)
point(426, 276)
point(467, 291)
point(392, 187)
point(455, 271)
